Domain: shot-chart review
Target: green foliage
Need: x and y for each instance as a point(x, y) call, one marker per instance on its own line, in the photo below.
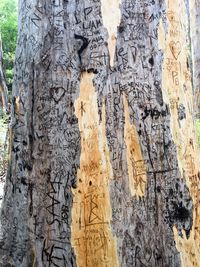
point(197, 122)
point(8, 30)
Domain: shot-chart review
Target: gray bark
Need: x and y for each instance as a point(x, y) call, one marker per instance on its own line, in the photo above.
point(3, 86)
point(61, 42)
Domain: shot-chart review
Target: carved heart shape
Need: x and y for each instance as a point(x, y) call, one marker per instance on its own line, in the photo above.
point(148, 255)
point(57, 93)
point(175, 48)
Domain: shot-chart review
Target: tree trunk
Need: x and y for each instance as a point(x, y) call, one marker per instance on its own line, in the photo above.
point(195, 37)
point(3, 86)
point(103, 167)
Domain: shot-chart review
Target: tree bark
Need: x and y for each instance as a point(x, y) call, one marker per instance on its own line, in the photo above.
point(103, 166)
point(3, 86)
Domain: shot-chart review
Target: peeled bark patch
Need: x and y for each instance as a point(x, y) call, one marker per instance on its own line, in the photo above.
point(136, 164)
point(92, 236)
point(179, 94)
point(111, 16)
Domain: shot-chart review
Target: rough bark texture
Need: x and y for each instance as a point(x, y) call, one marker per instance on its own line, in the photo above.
point(3, 86)
point(103, 158)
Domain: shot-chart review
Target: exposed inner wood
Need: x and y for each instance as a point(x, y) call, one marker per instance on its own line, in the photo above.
point(136, 165)
point(111, 19)
point(91, 214)
point(178, 93)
